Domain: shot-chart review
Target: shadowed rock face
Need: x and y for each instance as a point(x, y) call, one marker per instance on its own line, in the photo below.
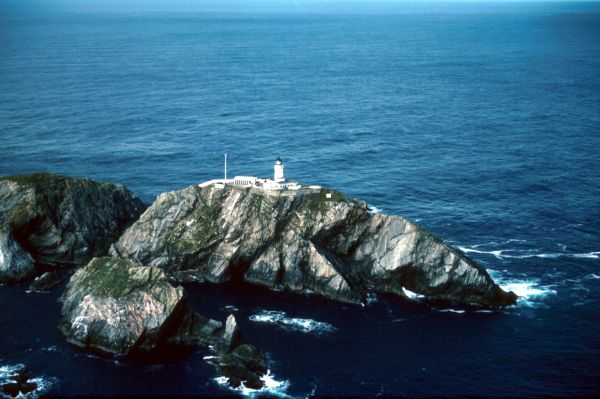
point(308, 242)
point(118, 307)
point(15, 263)
point(65, 221)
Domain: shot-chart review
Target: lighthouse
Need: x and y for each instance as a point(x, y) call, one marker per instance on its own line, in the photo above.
point(278, 177)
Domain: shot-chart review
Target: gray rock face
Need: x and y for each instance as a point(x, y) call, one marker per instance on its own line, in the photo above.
point(305, 242)
point(65, 221)
point(15, 263)
point(119, 307)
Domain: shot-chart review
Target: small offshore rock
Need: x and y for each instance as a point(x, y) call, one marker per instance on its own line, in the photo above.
point(18, 383)
point(245, 364)
point(46, 282)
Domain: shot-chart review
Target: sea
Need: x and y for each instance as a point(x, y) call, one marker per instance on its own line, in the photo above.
point(479, 121)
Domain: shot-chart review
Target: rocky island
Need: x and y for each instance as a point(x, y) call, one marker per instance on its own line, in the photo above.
point(291, 237)
point(307, 241)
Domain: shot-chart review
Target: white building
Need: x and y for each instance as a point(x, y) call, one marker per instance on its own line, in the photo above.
point(277, 183)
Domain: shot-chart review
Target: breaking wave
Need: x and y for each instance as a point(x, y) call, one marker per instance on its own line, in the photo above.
point(530, 291)
point(373, 209)
point(451, 311)
point(272, 387)
point(412, 295)
point(43, 384)
point(280, 319)
point(528, 253)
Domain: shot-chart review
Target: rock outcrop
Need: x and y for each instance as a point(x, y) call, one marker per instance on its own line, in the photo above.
point(46, 282)
point(19, 383)
point(118, 307)
point(61, 220)
point(318, 241)
point(15, 263)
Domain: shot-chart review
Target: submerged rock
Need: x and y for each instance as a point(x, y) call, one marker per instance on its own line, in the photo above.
point(15, 263)
point(119, 307)
point(19, 383)
point(60, 220)
point(46, 282)
point(311, 241)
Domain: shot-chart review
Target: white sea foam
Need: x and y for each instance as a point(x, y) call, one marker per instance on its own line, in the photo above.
point(281, 320)
point(530, 291)
point(451, 310)
point(373, 209)
point(592, 276)
point(528, 253)
point(52, 348)
point(412, 295)
point(272, 387)
point(43, 384)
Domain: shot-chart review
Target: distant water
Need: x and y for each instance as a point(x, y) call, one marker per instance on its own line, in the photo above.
point(481, 125)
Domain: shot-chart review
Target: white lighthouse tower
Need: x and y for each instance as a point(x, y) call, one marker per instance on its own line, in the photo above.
point(278, 177)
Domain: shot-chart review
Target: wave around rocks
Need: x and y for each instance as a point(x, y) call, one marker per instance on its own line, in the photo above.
point(43, 383)
point(272, 387)
point(516, 253)
point(281, 320)
point(530, 291)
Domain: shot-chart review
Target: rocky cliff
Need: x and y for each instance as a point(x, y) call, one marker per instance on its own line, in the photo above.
point(311, 241)
point(118, 307)
point(60, 220)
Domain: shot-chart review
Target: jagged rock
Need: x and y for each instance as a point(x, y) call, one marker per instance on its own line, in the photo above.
point(232, 336)
point(46, 282)
point(243, 364)
point(65, 221)
point(18, 383)
point(15, 263)
point(305, 242)
point(119, 307)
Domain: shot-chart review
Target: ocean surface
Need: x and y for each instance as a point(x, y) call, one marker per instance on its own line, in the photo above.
point(481, 123)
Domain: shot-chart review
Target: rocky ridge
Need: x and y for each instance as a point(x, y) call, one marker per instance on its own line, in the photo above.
point(318, 242)
point(59, 220)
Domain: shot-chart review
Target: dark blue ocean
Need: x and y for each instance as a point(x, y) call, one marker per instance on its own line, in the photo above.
point(481, 122)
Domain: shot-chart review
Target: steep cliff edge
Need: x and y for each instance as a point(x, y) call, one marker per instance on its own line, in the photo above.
point(118, 307)
point(60, 220)
point(310, 241)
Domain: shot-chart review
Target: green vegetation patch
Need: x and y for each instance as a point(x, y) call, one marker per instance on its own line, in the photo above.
point(204, 229)
point(317, 202)
point(109, 277)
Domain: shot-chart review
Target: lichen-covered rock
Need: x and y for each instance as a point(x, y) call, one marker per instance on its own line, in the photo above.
point(15, 263)
point(118, 307)
point(310, 241)
point(65, 221)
